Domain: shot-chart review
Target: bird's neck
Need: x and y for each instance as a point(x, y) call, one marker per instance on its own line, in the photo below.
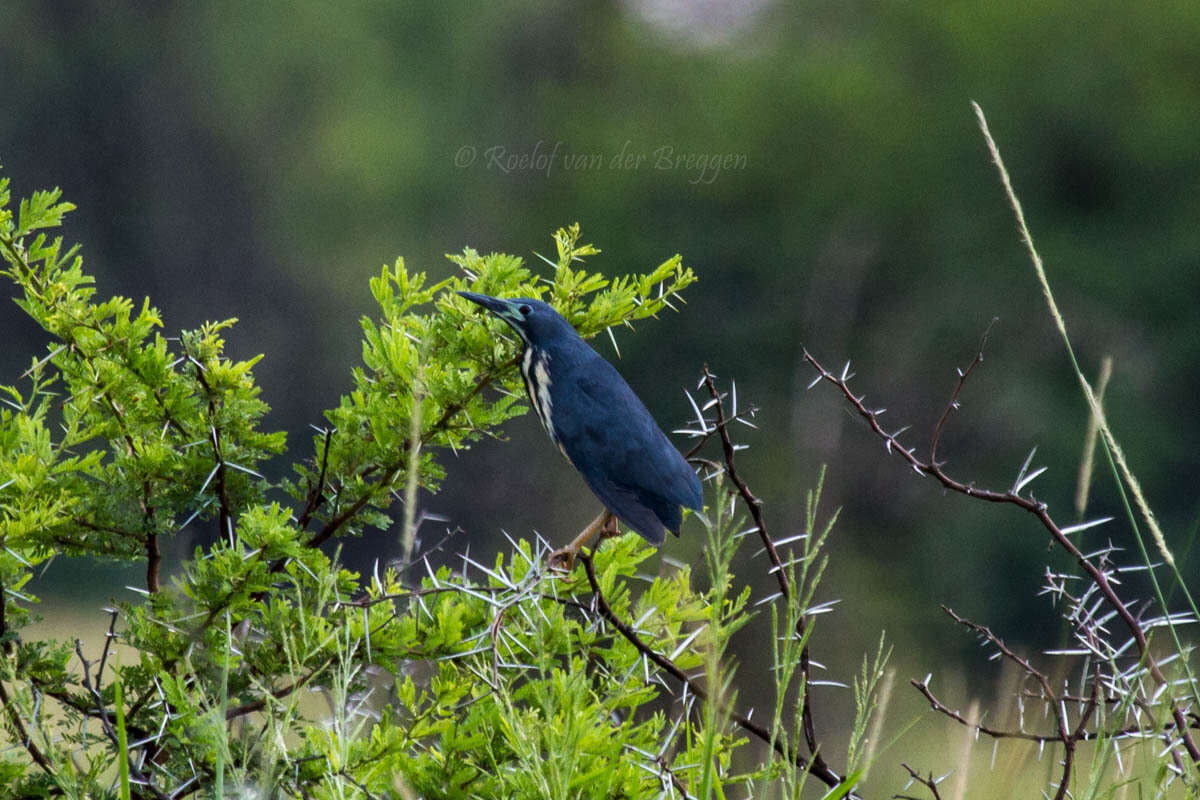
point(535, 369)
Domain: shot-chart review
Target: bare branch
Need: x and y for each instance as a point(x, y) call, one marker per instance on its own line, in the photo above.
point(929, 783)
point(753, 504)
point(754, 507)
point(963, 374)
point(1029, 504)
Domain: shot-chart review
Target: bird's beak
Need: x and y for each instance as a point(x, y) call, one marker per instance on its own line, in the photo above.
point(492, 304)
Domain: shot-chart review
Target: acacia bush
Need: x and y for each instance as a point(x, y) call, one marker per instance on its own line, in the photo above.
point(497, 680)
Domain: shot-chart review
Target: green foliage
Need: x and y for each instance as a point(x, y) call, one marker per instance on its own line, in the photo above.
point(488, 681)
point(149, 436)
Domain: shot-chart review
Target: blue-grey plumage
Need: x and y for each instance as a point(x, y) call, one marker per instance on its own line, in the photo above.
point(598, 422)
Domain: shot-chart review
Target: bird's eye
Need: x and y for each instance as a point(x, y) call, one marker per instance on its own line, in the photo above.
point(525, 311)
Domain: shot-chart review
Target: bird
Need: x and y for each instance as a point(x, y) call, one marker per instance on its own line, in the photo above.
point(599, 424)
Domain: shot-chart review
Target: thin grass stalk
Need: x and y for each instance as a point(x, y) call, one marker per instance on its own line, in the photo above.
point(719, 554)
point(875, 734)
point(412, 479)
point(1088, 460)
point(1113, 451)
point(122, 738)
point(1060, 322)
point(219, 778)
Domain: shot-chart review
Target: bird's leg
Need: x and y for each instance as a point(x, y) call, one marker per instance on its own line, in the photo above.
point(563, 559)
point(609, 529)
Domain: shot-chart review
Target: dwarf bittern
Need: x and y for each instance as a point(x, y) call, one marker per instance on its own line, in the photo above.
point(599, 424)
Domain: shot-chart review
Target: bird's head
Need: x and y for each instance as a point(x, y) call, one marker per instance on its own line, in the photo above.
point(536, 322)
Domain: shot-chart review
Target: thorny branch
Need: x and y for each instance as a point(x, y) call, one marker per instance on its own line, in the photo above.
point(137, 776)
point(1095, 572)
point(225, 512)
point(1022, 663)
point(929, 783)
point(1077, 735)
point(316, 494)
point(1065, 735)
point(754, 506)
point(815, 764)
point(109, 636)
point(332, 526)
point(14, 714)
point(275, 694)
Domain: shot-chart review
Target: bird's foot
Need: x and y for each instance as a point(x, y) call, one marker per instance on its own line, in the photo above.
point(609, 529)
point(562, 560)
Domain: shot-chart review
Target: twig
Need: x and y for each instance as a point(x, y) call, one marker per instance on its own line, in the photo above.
point(929, 783)
point(1065, 737)
point(276, 694)
point(225, 510)
point(753, 504)
point(676, 781)
point(331, 527)
point(316, 494)
point(1040, 738)
point(963, 374)
point(108, 640)
point(26, 741)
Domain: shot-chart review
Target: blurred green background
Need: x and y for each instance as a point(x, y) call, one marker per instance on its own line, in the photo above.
point(262, 160)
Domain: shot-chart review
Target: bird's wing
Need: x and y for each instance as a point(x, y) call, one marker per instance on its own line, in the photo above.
point(631, 508)
point(613, 441)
